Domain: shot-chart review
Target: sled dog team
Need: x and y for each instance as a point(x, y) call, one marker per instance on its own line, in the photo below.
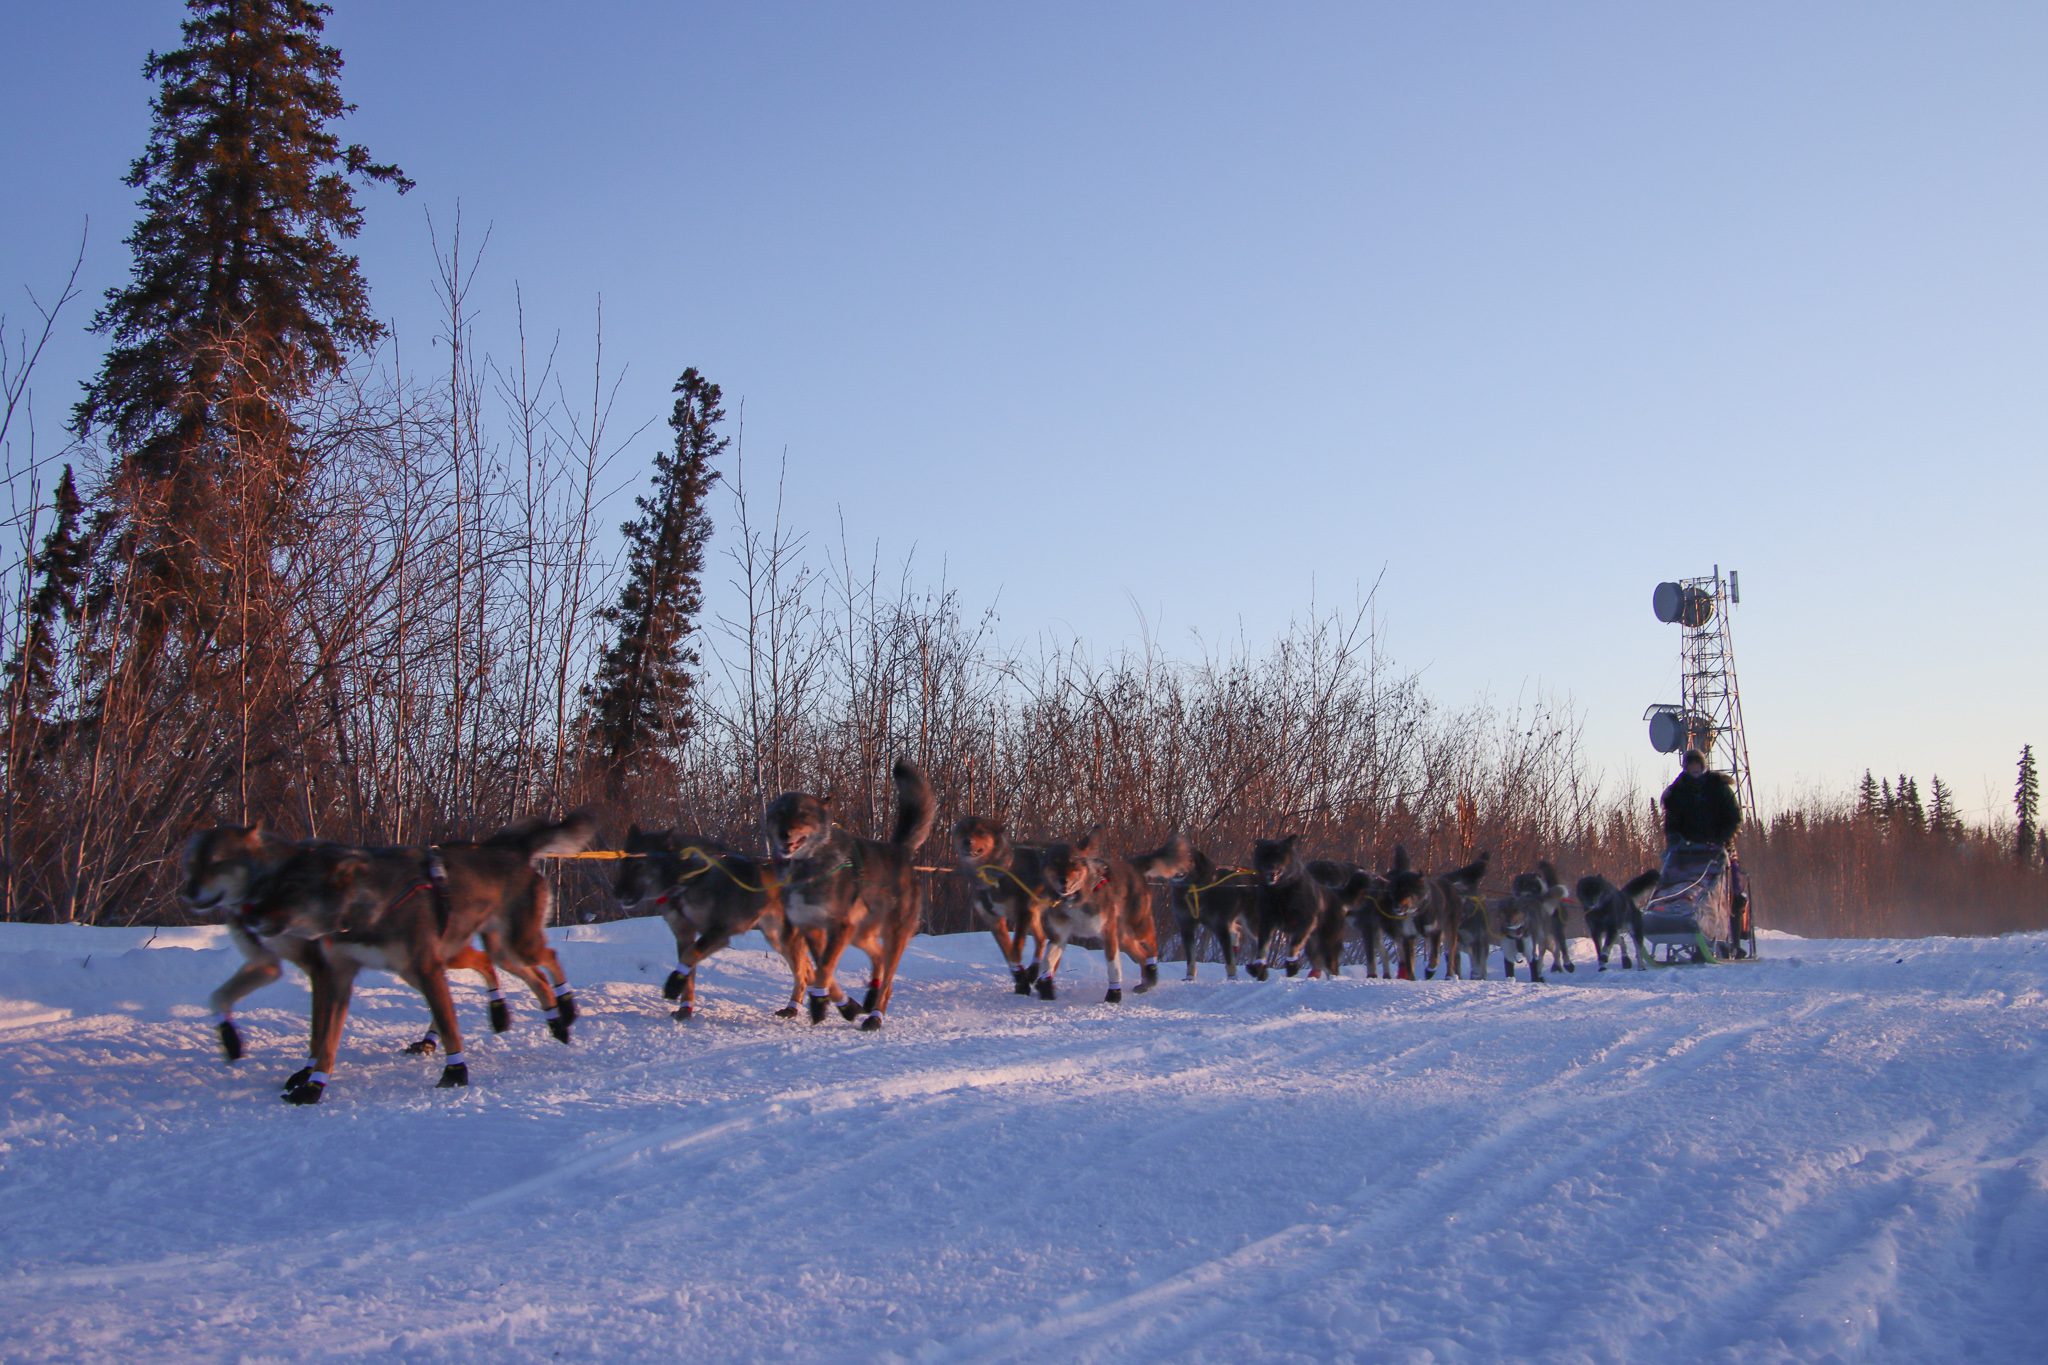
point(333, 909)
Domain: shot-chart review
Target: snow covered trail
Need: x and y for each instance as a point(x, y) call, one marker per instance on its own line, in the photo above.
point(1840, 1152)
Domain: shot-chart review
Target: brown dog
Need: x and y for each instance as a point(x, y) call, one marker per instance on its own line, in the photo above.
point(223, 867)
point(860, 893)
point(408, 911)
point(1094, 895)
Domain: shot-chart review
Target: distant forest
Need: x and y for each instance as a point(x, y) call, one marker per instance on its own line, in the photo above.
point(269, 572)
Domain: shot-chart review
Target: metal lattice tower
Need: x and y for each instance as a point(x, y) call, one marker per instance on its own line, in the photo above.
point(1708, 714)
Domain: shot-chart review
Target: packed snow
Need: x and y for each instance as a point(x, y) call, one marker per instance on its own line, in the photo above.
point(1838, 1152)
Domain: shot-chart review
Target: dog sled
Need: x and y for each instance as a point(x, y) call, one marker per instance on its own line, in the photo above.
point(1700, 911)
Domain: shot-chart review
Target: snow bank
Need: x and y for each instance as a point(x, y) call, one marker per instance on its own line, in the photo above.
point(1838, 1152)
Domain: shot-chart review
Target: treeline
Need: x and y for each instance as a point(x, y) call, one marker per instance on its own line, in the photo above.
point(278, 572)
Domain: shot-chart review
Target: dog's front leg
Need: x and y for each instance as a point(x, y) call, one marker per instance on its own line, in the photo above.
point(433, 984)
point(824, 986)
point(1044, 983)
point(1011, 945)
point(1112, 958)
point(795, 946)
point(687, 963)
point(253, 974)
point(333, 981)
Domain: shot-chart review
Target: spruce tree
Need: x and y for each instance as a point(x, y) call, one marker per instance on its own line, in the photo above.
point(1911, 814)
point(1941, 811)
point(241, 295)
point(2026, 804)
point(1867, 799)
point(640, 702)
point(59, 571)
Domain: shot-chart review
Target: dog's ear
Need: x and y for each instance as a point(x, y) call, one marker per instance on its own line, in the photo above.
point(632, 831)
point(256, 830)
point(1084, 844)
point(826, 802)
point(1287, 844)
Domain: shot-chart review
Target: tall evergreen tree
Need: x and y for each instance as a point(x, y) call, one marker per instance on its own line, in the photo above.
point(59, 569)
point(1942, 817)
point(1867, 799)
point(1911, 815)
point(640, 702)
point(2026, 804)
point(241, 295)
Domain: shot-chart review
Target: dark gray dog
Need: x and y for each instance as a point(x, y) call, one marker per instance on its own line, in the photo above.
point(710, 895)
point(1610, 909)
point(1004, 879)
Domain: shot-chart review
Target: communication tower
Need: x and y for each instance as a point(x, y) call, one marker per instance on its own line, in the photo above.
point(1708, 713)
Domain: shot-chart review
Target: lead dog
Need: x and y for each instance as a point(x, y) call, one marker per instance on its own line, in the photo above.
point(860, 893)
point(1094, 895)
point(710, 895)
point(223, 867)
point(408, 911)
point(1004, 879)
point(1610, 909)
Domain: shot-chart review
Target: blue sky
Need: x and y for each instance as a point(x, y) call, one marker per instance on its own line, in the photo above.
point(1191, 310)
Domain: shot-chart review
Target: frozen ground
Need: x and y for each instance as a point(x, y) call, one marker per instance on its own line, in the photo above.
point(1840, 1152)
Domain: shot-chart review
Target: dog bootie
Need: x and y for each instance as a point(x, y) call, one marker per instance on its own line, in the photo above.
point(306, 1088)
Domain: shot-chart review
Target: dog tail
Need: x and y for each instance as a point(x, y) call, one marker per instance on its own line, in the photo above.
point(1174, 858)
point(916, 809)
point(1548, 870)
point(1470, 875)
point(537, 838)
point(1637, 886)
point(1589, 888)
